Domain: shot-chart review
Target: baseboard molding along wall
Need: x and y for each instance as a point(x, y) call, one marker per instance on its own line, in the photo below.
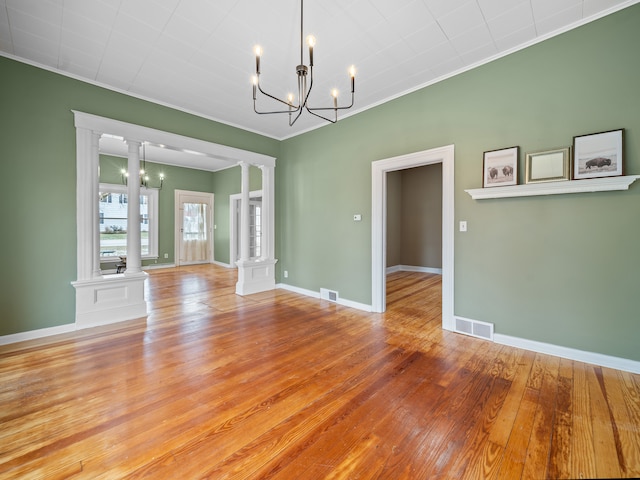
point(36, 334)
point(157, 266)
point(411, 268)
point(225, 265)
point(600, 359)
point(310, 293)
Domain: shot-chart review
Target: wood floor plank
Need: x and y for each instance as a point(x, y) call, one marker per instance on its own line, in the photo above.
point(279, 385)
point(538, 450)
point(606, 435)
point(627, 424)
point(583, 458)
point(559, 465)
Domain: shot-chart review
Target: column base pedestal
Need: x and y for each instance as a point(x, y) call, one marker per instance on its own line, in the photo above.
point(256, 276)
point(110, 299)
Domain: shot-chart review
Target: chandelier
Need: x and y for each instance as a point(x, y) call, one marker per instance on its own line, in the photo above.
point(302, 71)
point(144, 175)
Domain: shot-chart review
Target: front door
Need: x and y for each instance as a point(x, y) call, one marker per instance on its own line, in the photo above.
point(194, 236)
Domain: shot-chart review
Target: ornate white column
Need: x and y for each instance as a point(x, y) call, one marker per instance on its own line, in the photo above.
point(257, 275)
point(85, 179)
point(134, 262)
point(244, 213)
point(100, 299)
point(95, 193)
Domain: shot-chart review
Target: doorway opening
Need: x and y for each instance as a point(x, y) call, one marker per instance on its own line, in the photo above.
point(379, 170)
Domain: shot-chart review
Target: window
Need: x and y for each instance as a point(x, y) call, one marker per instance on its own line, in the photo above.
point(255, 228)
point(113, 222)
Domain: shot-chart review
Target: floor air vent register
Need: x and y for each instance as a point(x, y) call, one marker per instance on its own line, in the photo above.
point(474, 328)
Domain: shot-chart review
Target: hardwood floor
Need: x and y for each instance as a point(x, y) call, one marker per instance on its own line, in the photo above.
point(278, 385)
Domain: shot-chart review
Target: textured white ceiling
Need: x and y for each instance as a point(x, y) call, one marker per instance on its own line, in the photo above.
point(197, 55)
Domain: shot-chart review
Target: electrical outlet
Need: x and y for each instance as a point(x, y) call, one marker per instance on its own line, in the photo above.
point(286, 274)
point(166, 255)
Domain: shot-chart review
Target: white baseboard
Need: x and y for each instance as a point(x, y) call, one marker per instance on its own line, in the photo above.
point(225, 265)
point(411, 268)
point(35, 334)
point(152, 266)
point(313, 294)
point(155, 266)
point(600, 359)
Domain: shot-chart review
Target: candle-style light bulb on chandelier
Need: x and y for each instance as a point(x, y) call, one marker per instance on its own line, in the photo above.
point(302, 71)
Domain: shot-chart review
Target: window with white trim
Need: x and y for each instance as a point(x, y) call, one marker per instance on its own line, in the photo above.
point(113, 222)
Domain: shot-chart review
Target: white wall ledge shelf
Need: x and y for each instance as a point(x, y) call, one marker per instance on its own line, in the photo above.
point(555, 188)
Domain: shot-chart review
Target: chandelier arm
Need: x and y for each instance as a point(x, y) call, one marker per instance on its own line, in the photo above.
point(295, 107)
point(322, 116)
point(291, 122)
point(344, 107)
point(306, 97)
point(301, 87)
point(272, 112)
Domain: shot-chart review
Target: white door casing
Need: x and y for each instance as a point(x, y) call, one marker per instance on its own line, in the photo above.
point(379, 169)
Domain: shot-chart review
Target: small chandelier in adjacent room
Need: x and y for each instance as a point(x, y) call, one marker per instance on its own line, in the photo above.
point(304, 89)
point(144, 175)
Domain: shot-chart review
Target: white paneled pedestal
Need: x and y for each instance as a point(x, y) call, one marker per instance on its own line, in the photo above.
point(110, 299)
point(255, 276)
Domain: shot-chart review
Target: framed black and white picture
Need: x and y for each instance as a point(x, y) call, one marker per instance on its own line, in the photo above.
point(500, 167)
point(598, 154)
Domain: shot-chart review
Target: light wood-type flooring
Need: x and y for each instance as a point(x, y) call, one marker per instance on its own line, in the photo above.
point(283, 386)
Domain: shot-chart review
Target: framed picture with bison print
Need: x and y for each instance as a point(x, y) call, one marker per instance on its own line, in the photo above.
point(549, 166)
point(598, 155)
point(500, 167)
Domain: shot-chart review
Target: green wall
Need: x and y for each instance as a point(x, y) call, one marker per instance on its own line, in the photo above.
point(560, 269)
point(38, 200)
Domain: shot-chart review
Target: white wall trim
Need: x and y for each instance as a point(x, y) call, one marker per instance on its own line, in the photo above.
point(35, 334)
point(225, 265)
point(153, 266)
point(379, 169)
point(158, 266)
point(412, 268)
point(310, 293)
point(129, 130)
point(600, 359)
